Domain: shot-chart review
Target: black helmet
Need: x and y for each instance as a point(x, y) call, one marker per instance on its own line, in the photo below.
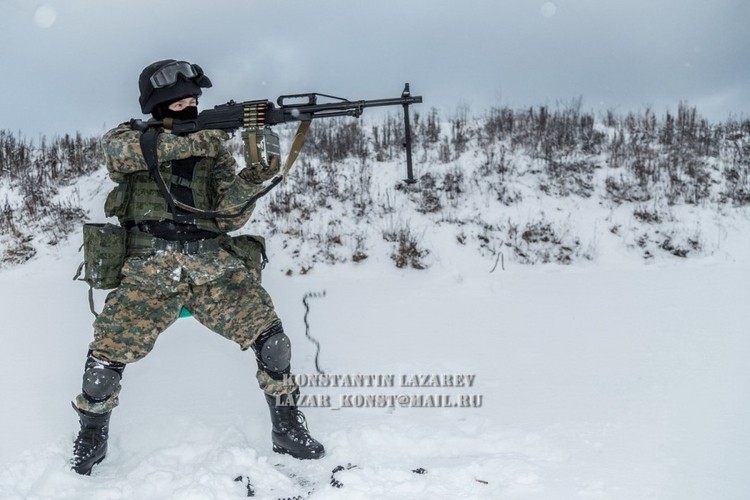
point(168, 81)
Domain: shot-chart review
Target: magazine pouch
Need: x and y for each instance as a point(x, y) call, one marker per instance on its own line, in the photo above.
point(104, 251)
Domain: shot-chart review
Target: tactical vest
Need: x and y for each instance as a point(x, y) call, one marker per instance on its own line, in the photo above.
point(138, 198)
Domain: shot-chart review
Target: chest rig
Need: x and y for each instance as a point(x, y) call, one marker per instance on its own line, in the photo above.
point(140, 198)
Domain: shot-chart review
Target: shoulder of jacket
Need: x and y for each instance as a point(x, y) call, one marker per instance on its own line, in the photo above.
point(119, 130)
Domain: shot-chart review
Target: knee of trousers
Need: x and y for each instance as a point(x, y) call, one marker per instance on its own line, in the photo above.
point(101, 378)
point(273, 350)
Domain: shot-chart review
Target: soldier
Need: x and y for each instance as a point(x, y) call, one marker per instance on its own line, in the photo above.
point(178, 259)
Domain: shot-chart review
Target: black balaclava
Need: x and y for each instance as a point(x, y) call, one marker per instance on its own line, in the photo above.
point(162, 111)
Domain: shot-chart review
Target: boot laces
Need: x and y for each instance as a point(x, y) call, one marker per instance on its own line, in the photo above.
point(87, 442)
point(297, 426)
point(299, 417)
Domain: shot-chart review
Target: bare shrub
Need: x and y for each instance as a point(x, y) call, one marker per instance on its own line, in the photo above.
point(408, 250)
point(669, 240)
point(538, 242)
point(425, 194)
point(622, 189)
point(565, 178)
point(36, 172)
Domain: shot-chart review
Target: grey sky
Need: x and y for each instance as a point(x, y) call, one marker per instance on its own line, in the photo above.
point(72, 65)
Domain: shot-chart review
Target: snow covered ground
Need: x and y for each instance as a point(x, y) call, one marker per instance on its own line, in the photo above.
point(616, 377)
point(607, 380)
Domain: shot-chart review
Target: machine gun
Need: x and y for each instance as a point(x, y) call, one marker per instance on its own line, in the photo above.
point(303, 108)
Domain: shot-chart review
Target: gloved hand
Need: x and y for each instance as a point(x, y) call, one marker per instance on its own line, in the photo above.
point(258, 174)
point(207, 142)
point(262, 162)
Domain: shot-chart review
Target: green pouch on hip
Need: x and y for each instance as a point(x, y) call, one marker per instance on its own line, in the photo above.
point(251, 250)
point(104, 251)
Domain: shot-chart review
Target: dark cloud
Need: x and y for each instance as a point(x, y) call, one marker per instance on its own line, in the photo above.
point(79, 72)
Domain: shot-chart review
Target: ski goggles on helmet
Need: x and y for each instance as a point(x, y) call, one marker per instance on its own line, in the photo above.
point(169, 74)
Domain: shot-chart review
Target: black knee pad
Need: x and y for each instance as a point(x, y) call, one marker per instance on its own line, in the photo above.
point(101, 378)
point(273, 350)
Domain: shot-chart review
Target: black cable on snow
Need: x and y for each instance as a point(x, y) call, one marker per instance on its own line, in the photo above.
point(307, 326)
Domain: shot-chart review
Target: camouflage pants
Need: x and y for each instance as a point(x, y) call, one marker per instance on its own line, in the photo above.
point(215, 287)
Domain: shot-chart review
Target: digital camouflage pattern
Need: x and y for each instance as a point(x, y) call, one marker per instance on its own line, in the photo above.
point(215, 287)
point(216, 185)
point(219, 289)
point(122, 150)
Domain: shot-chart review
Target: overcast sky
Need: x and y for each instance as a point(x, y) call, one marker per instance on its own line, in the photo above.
point(73, 65)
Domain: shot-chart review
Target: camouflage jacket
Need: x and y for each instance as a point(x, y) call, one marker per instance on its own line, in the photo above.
point(215, 183)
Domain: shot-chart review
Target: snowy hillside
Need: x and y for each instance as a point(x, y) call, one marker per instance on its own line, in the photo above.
point(599, 316)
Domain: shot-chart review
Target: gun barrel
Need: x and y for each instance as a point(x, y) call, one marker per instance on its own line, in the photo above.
point(290, 112)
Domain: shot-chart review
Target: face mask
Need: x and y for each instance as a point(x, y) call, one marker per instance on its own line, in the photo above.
point(189, 113)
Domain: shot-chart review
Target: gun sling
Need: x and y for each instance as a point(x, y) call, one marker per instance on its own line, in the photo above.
point(148, 148)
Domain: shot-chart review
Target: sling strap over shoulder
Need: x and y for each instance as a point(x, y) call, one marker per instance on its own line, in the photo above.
point(148, 142)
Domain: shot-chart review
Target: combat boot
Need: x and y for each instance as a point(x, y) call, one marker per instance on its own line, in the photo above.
point(290, 434)
point(90, 447)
